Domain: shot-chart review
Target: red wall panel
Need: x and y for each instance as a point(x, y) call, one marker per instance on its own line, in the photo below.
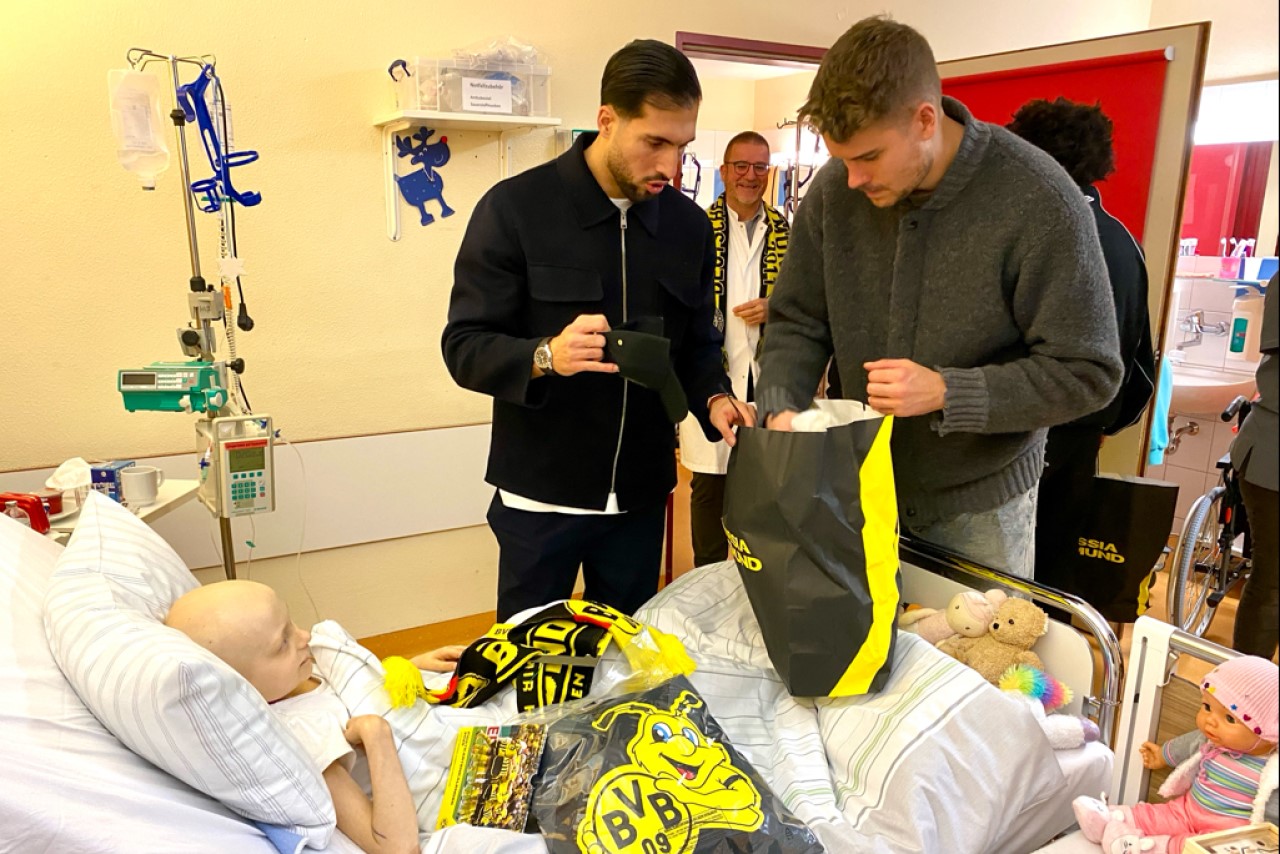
point(1129, 88)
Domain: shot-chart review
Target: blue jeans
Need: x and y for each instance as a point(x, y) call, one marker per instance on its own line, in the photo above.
point(1003, 538)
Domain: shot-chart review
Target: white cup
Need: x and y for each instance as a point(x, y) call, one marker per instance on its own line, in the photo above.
point(140, 485)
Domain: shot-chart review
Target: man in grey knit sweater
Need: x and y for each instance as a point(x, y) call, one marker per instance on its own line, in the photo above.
point(954, 270)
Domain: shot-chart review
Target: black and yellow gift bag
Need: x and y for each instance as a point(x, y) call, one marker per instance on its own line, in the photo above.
point(1102, 541)
point(812, 521)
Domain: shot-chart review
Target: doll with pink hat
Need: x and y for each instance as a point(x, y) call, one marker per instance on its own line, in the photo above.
point(1225, 773)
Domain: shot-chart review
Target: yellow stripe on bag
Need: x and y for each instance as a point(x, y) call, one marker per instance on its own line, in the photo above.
point(880, 546)
point(1144, 593)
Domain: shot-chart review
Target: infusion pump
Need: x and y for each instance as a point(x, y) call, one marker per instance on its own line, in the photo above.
point(236, 455)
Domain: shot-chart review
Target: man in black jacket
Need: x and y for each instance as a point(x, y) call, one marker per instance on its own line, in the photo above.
point(553, 259)
point(1078, 136)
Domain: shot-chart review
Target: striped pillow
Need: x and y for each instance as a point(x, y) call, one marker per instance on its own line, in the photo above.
point(165, 697)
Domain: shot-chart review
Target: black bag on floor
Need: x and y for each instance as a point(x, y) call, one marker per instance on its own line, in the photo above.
point(1106, 547)
point(812, 522)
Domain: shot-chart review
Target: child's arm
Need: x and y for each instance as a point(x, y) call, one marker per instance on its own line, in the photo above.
point(388, 824)
point(442, 660)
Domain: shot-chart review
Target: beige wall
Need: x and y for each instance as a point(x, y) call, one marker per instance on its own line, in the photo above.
point(778, 99)
point(348, 322)
point(726, 104)
point(94, 270)
point(381, 587)
point(1244, 41)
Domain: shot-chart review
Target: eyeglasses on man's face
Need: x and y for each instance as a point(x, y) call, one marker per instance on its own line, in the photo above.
point(741, 167)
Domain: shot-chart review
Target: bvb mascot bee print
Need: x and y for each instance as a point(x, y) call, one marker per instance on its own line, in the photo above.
point(677, 783)
point(651, 772)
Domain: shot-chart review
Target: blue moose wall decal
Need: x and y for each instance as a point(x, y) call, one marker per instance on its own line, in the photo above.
point(425, 184)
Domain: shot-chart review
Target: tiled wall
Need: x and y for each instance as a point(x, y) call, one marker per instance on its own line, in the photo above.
point(1214, 298)
point(1193, 466)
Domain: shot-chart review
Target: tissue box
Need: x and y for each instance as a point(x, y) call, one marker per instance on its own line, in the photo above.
point(106, 477)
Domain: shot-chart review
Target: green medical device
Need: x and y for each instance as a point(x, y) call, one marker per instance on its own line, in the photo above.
point(195, 386)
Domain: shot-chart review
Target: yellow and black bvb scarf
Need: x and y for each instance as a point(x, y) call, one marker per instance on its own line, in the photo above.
point(777, 232)
point(547, 656)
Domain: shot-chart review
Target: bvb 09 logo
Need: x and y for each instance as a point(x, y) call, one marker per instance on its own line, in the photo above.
point(677, 784)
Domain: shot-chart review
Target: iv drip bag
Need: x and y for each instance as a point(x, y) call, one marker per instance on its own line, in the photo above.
point(137, 119)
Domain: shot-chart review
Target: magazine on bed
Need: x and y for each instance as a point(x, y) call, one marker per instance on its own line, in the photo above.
point(490, 781)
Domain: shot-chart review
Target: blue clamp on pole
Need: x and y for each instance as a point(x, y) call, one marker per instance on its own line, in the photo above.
point(213, 190)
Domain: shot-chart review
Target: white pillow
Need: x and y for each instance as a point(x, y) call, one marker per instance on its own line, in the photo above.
point(165, 697)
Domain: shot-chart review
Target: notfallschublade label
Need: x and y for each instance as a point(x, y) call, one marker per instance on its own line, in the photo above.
point(486, 96)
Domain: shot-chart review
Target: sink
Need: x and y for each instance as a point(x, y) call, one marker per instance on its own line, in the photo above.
point(1199, 390)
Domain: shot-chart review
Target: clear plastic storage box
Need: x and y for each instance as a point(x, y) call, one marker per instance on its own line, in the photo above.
point(468, 86)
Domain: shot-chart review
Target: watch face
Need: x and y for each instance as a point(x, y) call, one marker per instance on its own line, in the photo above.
point(542, 357)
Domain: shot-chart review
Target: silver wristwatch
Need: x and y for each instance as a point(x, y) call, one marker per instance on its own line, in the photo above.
point(542, 357)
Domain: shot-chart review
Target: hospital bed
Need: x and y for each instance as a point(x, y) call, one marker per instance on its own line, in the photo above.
point(939, 761)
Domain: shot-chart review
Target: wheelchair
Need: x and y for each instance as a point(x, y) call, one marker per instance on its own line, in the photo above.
point(1213, 552)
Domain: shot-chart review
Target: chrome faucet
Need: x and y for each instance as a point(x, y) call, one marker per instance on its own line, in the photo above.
point(1194, 323)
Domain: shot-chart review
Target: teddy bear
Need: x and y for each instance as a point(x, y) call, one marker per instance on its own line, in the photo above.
point(1018, 624)
point(967, 615)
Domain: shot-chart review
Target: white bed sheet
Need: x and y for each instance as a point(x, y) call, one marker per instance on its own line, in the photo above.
point(1073, 843)
point(1088, 772)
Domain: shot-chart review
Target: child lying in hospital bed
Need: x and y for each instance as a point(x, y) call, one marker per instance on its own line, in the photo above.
point(247, 625)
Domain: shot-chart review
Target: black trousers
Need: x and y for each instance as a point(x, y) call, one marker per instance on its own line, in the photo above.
point(706, 512)
point(1071, 461)
point(1258, 617)
point(539, 555)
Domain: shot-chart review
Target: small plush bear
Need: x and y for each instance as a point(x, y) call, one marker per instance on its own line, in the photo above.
point(1018, 624)
point(967, 615)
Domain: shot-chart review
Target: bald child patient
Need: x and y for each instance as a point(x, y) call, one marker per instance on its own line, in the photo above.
point(248, 626)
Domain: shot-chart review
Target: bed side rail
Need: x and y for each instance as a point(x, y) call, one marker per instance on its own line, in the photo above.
point(941, 562)
point(1155, 650)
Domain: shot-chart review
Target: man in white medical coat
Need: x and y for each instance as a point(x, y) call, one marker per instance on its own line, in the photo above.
point(750, 241)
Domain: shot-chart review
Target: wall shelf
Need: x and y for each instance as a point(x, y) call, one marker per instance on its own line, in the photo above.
point(401, 120)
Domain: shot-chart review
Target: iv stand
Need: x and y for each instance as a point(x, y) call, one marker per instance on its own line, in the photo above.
point(139, 58)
